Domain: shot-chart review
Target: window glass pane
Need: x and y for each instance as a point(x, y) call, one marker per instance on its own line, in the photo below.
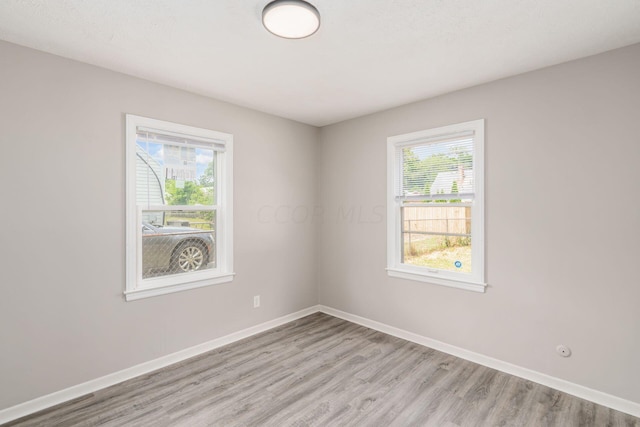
point(169, 174)
point(175, 242)
point(438, 168)
point(437, 237)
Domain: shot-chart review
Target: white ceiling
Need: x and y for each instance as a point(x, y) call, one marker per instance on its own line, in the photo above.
point(368, 55)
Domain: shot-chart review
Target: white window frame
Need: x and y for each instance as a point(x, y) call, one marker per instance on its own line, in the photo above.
point(474, 281)
point(136, 286)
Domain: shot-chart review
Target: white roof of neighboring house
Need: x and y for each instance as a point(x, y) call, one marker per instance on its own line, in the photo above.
point(444, 182)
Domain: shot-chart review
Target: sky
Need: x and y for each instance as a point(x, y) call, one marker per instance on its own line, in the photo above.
point(156, 151)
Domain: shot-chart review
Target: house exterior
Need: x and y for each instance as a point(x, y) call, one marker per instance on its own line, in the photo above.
point(150, 185)
point(443, 184)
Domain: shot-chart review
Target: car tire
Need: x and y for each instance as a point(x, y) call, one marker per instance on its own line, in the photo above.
point(189, 256)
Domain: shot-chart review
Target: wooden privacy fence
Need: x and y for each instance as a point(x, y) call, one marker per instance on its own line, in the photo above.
point(452, 220)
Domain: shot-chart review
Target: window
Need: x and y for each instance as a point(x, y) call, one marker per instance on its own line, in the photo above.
point(435, 206)
point(179, 207)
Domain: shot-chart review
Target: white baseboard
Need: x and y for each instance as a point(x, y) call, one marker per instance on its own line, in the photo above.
point(595, 396)
point(44, 402)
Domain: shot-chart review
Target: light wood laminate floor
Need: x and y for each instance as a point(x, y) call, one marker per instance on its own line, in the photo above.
point(324, 371)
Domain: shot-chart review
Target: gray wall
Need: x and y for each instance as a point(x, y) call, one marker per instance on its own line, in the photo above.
point(63, 319)
point(562, 222)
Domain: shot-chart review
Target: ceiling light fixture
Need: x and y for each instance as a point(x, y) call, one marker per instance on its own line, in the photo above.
point(291, 19)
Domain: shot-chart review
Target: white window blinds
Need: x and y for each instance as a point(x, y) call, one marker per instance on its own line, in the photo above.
point(145, 134)
point(438, 168)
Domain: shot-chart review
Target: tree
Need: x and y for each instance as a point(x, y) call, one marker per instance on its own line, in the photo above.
point(413, 173)
point(454, 190)
point(190, 194)
point(462, 157)
point(207, 177)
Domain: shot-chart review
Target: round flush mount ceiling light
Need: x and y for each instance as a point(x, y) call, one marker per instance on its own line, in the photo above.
point(291, 19)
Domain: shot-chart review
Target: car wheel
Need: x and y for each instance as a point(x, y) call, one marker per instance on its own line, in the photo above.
point(189, 256)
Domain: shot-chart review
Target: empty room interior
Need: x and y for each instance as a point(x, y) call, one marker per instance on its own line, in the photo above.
point(320, 213)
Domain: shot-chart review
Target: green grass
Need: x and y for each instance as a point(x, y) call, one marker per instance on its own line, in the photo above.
point(433, 252)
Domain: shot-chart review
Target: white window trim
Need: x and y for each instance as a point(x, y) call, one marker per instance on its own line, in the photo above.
point(472, 282)
point(135, 287)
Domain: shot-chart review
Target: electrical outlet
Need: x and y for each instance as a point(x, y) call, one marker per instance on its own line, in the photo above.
point(256, 301)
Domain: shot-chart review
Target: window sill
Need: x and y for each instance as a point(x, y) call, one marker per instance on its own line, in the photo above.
point(468, 286)
point(135, 294)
